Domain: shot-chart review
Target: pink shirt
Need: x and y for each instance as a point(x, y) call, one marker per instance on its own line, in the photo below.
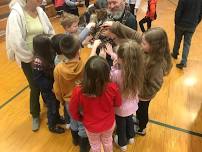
point(129, 105)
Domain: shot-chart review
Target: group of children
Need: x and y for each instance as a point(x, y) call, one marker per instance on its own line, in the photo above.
point(96, 96)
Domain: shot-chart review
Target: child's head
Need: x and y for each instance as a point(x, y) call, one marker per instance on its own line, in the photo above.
point(70, 45)
point(69, 22)
point(55, 40)
point(43, 48)
point(96, 75)
point(155, 42)
point(130, 58)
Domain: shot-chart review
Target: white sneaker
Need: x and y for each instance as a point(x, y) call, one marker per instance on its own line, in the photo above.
point(131, 141)
point(123, 148)
point(67, 126)
point(141, 132)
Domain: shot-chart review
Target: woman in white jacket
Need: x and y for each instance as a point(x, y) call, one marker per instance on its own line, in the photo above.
point(25, 21)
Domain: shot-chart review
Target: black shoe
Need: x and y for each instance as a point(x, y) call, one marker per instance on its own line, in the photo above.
point(57, 129)
point(174, 56)
point(61, 120)
point(84, 145)
point(181, 66)
point(75, 137)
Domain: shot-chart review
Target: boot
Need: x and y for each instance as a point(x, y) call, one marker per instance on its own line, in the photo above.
point(84, 145)
point(75, 137)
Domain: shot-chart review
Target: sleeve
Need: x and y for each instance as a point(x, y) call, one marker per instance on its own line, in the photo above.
point(69, 3)
point(84, 33)
point(50, 27)
point(153, 84)
point(178, 11)
point(123, 31)
point(57, 87)
point(117, 97)
point(15, 43)
point(74, 105)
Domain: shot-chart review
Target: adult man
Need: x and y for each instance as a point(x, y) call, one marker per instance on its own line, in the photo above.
point(119, 12)
point(187, 16)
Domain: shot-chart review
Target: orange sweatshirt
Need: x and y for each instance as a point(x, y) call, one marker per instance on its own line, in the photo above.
point(67, 75)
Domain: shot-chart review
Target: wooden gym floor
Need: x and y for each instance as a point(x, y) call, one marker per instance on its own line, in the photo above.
point(175, 113)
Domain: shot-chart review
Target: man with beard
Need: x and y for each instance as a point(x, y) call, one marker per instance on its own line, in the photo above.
point(119, 12)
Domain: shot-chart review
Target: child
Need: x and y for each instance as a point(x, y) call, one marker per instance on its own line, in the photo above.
point(67, 74)
point(150, 15)
point(43, 66)
point(129, 77)
point(157, 65)
point(93, 103)
point(55, 40)
point(70, 25)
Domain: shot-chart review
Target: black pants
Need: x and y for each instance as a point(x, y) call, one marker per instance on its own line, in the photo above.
point(145, 20)
point(34, 90)
point(125, 129)
point(52, 106)
point(142, 114)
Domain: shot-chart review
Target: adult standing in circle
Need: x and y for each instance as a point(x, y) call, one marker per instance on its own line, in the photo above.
point(25, 21)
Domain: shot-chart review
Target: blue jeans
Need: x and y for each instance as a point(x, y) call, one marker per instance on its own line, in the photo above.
point(179, 33)
point(76, 125)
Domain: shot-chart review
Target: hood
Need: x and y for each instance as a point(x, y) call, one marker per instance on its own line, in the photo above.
point(70, 70)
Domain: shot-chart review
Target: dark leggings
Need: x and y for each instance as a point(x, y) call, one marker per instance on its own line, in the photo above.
point(145, 20)
point(142, 114)
point(34, 90)
point(125, 129)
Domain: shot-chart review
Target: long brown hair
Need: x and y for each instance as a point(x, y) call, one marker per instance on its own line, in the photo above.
point(132, 67)
point(96, 75)
point(159, 48)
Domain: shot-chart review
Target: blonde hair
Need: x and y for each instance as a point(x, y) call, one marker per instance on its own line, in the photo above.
point(159, 47)
point(68, 19)
point(131, 54)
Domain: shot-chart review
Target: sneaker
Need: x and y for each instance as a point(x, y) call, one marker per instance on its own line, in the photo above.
point(61, 120)
point(181, 66)
point(57, 129)
point(141, 132)
point(67, 126)
point(123, 148)
point(35, 124)
point(174, 56)
point(131, 141)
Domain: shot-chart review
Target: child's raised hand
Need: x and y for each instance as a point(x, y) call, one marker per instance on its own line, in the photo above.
point(103, 53)
point(109, 49)
point(91, 24)
point(96, 43)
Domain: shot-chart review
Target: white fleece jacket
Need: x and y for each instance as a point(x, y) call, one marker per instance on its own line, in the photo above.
point(16, 33)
